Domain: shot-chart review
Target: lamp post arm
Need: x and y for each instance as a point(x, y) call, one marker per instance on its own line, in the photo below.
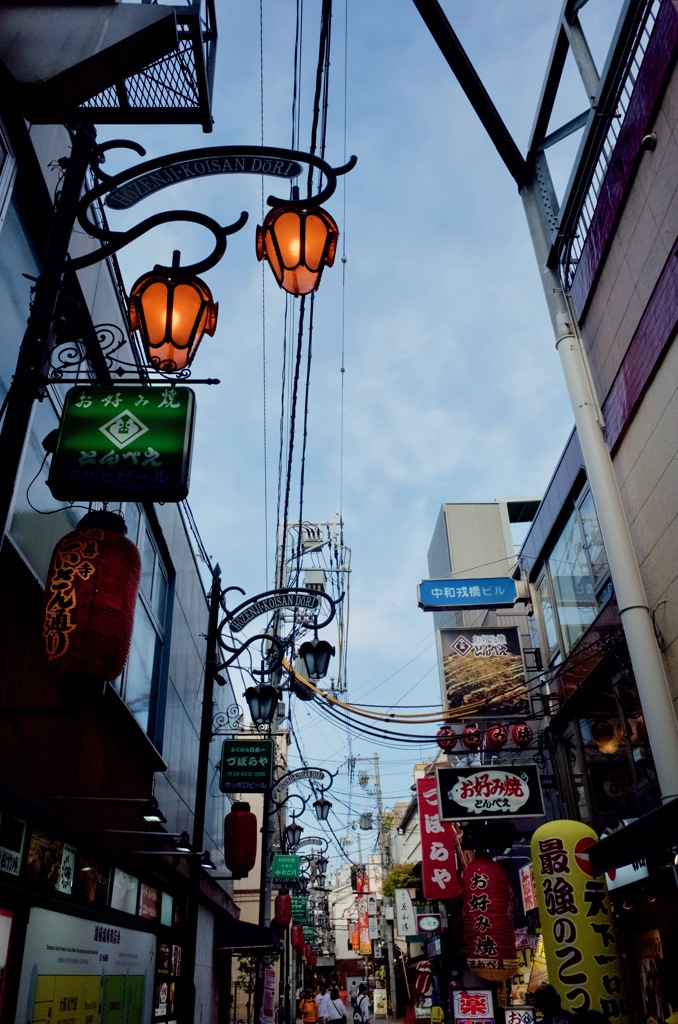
point(113, 241)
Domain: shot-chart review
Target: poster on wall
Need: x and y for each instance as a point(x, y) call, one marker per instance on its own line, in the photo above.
point(12, 836)
point(650, 954)
point(166, 992)
point(72, 966)
point(484, 671)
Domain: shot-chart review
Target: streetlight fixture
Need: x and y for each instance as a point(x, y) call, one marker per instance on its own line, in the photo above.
point(172, 312)
point(293, 834)
point(322, 808)
point(316, 655)
point(262, 702)
point(298, 244)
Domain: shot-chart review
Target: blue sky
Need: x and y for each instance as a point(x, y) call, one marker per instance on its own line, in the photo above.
point(452, 389)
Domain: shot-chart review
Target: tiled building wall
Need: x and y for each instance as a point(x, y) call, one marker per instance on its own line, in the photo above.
point(629, 329)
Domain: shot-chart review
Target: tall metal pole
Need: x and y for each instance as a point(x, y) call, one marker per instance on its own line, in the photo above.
point(200, 801)
point(26, 385)
point(385, 849)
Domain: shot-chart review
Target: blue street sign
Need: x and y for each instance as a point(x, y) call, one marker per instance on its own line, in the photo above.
point(486, 592)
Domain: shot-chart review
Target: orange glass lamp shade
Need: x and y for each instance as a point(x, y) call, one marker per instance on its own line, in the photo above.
point(171, 313)
point(298, 244)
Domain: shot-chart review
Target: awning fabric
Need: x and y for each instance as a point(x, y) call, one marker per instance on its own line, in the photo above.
point(654, 833)
point(233, 934)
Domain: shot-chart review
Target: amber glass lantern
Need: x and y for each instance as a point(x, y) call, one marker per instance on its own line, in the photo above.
point(298, 244)
point(172, 312)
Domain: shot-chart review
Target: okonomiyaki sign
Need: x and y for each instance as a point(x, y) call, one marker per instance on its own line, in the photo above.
point(489, 793)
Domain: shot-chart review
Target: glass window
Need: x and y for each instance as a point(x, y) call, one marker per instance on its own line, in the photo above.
point(141, 676)
point(594, 541)
point(573, 589)
point(547, 614)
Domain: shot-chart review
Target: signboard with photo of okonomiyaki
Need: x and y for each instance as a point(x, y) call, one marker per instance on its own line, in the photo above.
point(484, 672)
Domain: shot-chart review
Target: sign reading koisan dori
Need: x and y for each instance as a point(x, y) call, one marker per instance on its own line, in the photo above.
point(246, 766)
point(440, 878)
point(479, 794)
point(123, 444)
point(484, 671)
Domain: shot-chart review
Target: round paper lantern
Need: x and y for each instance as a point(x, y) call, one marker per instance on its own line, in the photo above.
point(283, 909)
point(307, 951)
point(576, 921)
point(496, 737)
point(472, 737)
point(240, 839)
point(446, 738)
point(297, 936)
point(522, 734)
point(90, 599)
point(489, 937)
point(312, 958)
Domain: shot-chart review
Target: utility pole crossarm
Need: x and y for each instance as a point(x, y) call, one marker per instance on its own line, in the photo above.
point(444, 35)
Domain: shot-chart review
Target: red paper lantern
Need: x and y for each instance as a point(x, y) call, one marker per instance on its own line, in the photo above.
point(312, 958)
point(90, 599)
point(472, 737)
point(283, 909)
point(297, 936)
point(307, 951)
point(496, 737)
point(446, 738)
point(489, 936)
point(522, 734)
point(240, 839)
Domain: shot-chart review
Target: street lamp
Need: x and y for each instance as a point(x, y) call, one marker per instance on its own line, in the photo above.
point(293, 834)
point(322, 808)
point(262, 702)
point(298, 244)
point(316, 655)
point(172, 311)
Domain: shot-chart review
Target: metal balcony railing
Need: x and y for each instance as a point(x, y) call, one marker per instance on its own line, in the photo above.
point(177, 89)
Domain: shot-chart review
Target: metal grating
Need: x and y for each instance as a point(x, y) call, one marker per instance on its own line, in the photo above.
point(573, 246)
point(173, 90)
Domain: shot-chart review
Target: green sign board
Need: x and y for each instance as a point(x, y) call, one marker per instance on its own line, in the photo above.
point(285, 867)
point(246, 765)
point(123, 444)
point(300, 909)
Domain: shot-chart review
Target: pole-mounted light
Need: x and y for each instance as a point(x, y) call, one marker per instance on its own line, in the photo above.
point(262, 702)
point(298, 243)
point(316, 655)
point(322, 808)
point(172, 312)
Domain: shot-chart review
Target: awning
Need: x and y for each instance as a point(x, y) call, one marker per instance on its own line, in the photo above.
point(653, 833)
point(233, 934)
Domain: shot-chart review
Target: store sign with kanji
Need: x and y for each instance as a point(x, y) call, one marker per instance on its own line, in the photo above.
point(123, 444)
point(300, 909)
point(440, 878)
point(246, 766)
point(285, 867)
point(482, 793)
point(473, 1006)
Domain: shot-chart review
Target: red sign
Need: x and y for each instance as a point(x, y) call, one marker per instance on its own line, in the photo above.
point(438, 853)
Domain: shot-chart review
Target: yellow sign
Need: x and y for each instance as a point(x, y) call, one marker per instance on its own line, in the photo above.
point(579, 938)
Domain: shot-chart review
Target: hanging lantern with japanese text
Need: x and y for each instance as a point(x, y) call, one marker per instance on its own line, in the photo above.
point(90, 600)
point(472, 738)
point(447, 738)
point(283, 909)
point(489, 936)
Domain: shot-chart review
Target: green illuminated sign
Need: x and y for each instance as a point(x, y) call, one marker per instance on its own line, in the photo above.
point(300, 909)
point(285, 866)
point(123, 444)
point(246, 765)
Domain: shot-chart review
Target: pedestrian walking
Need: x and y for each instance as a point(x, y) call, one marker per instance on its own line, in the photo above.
point(308, 1008)
point(324, 1004)
point(547, 1001)
point(338, 1011)
point(361, 1011)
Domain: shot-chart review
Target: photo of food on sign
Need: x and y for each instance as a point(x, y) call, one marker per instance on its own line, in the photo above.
point(484, 671)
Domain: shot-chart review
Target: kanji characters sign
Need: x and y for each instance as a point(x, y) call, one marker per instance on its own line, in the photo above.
point(484, 667)
point(123, 444)
point(482, 793)
point(473, 1006)
point(576, 921)
point(438, 854)
point(246, 765)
